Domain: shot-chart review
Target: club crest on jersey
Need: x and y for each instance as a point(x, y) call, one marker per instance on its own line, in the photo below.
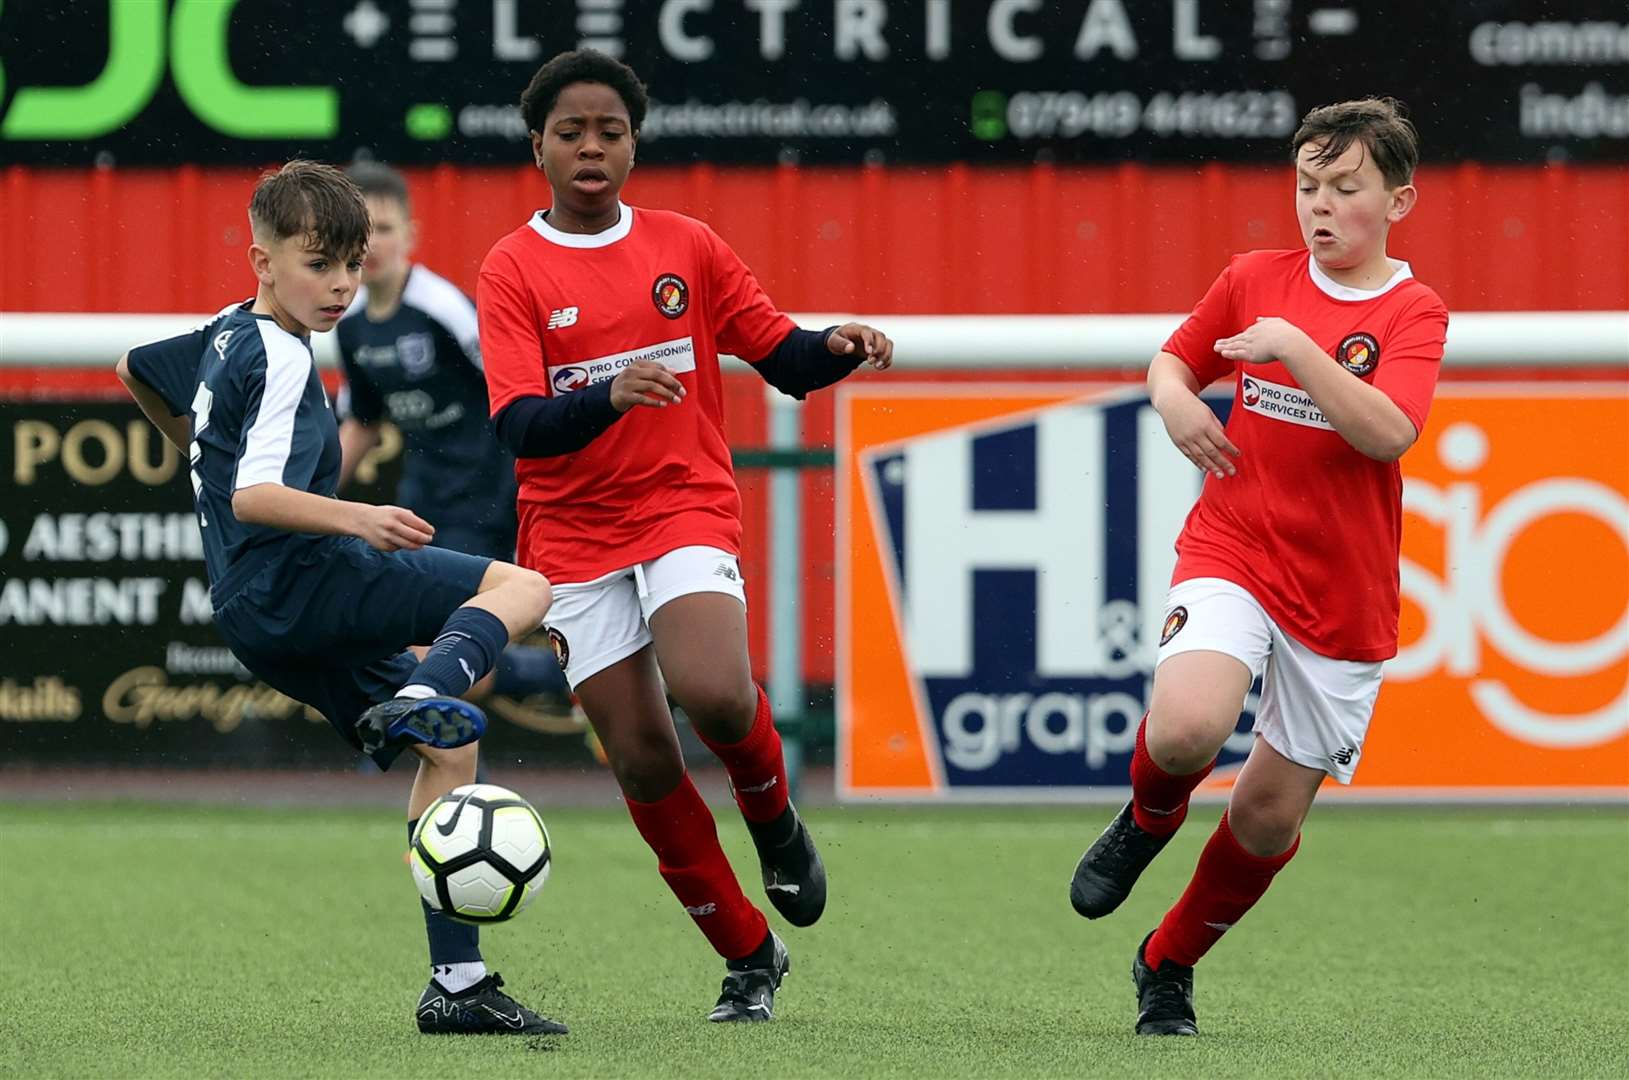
point(1174, 623)
point(562, 651)
point(1358, 353)
point(671, 295)
point(568, 379)
point(417, 354)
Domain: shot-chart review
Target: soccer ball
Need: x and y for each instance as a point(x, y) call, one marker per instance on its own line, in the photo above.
point(480, 854)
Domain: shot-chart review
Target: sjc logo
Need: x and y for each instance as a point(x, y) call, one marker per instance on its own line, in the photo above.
point(1514, 570)
point(192, 37)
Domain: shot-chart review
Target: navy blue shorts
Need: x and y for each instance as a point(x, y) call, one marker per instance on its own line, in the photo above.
point(330, 628)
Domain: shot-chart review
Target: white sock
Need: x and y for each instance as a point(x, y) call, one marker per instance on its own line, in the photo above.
point(456, 978)
point(418, 691)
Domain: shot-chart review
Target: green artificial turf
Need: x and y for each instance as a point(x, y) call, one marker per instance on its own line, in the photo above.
point(185, 941)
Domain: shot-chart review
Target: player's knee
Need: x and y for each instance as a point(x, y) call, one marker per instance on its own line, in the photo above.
point(530, 589)
point(714, 703)
point(1184, 737)
point(536, 592)
point(646, 769)
point(1264, 823)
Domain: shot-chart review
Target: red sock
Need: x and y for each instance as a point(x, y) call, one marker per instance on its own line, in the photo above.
point(1159, 801)
point(679, 828)
point(1227, 883)
point(757, 769)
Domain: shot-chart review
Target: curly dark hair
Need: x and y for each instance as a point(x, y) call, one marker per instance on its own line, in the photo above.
point(1378, 123)
point(310, 199)
point(582, 65)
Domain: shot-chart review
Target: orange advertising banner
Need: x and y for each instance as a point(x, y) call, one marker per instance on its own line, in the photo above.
point(1004, 551)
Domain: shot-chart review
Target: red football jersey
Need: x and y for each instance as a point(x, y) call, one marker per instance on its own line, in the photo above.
point(561, 311)
point(1310, 526)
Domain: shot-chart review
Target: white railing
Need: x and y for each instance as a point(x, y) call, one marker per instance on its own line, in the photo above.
point(1475, 338)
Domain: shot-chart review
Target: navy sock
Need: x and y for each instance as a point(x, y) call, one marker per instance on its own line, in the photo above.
point(467, 647)
point(523, 670)
point(451, 942)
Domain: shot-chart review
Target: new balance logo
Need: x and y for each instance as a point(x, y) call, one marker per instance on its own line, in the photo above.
point(702, 909)
point(726, 571)
point(563, 317)
point(1344, 755)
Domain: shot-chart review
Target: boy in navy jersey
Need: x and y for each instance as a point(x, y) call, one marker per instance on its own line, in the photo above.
point(319, 597)
point(412, 355)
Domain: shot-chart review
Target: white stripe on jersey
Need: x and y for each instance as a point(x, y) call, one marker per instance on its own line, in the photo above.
point(678, 356)
point(227, 310)
point(267, 444)
point(540, 225)
point(446, 304)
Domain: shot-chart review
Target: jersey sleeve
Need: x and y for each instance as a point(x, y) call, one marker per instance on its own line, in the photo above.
point(170, 367)
point(281, 441)
point(359, 398)
point(449, 309)
point(745, 321)
point(1194, 342)
point(511, 347)
point(1413, 359)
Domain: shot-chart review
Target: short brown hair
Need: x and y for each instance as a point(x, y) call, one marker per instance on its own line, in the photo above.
point(310, 199)
point(1378, 123)
point(375, 179)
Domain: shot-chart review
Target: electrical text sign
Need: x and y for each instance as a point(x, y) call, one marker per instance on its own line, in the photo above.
point(1004, 553)
point(150, 81)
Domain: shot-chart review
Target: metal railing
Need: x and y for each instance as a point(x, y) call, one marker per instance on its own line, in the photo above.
point(989, 343)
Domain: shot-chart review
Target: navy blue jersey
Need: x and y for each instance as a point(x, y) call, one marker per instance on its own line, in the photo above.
point(259, 416)
point(170, 366)
point(421, 370)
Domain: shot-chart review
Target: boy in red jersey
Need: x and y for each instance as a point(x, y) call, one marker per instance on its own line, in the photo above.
point(601, 327)
point(1287, 566)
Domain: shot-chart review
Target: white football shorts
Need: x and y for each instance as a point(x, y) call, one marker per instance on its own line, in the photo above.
point(593, 624)
point(1314, 710)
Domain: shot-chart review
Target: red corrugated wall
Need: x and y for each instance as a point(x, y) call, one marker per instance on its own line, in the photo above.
point(1044, 239)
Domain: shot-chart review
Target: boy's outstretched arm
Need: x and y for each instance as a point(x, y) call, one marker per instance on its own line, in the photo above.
point(388, 528)
point(177, 429)
point(809, 360)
